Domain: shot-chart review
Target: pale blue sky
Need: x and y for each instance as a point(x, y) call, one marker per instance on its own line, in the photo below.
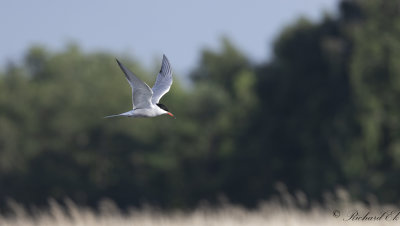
point(147, 29)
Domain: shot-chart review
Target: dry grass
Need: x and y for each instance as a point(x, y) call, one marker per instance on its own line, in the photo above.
point(286, 212)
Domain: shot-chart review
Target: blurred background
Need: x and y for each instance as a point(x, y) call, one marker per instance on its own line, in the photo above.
point(302, 94)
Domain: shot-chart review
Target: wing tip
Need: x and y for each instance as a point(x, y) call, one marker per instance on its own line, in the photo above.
point(118, 61)
point(123, 68)
point(165, 66)
point(165, 58)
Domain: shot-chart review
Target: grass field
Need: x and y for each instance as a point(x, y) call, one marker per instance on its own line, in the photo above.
point(286, 212)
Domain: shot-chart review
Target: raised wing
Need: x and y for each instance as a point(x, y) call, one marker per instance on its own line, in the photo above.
point(163, 81)
point(141, 92)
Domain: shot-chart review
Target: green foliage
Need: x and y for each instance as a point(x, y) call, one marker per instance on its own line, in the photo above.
point(375, 77)
point(330, 102)
point(55, 142)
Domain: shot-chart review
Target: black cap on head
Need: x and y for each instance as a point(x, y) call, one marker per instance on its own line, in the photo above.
point(162, 106)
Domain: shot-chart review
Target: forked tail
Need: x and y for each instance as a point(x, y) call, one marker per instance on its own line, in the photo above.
point(111, 116)
point(126, 114)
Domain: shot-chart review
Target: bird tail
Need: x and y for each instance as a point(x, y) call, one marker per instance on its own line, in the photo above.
point(111, 116)
point(126, 114)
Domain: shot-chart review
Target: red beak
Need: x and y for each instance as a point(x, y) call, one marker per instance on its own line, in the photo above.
point(170, 114)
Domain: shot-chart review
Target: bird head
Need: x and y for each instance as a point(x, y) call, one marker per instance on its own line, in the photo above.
point(163, 107)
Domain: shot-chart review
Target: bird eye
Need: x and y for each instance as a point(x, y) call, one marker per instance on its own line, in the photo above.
point(162, 106)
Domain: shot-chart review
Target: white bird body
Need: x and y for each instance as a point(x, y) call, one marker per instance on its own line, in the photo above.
point(143, 112)
point(145, 101)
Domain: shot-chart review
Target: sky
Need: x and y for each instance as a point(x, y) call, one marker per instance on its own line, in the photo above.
point(147, 29)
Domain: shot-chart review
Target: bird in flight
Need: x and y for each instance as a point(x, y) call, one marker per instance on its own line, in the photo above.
point(145, 100)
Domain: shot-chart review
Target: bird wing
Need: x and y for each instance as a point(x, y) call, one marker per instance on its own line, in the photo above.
point(163, 81)
point(141, 92)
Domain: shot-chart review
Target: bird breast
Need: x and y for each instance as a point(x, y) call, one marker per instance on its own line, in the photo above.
point(148, 112)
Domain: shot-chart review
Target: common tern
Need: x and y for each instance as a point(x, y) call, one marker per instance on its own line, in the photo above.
point(145, 100)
